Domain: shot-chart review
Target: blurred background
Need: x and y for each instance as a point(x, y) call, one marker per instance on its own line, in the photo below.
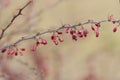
point(89, 58)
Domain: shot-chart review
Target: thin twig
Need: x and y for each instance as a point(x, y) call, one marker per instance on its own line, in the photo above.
point(13, 19)
point(55, 30)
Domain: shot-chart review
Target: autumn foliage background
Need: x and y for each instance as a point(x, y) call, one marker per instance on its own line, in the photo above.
point(88, 58)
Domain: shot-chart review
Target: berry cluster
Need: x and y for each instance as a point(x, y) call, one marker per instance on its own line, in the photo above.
point(75, 31)
point(14, 51)
point(34, 47)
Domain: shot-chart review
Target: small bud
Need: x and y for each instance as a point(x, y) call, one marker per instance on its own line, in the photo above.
point(110, 18)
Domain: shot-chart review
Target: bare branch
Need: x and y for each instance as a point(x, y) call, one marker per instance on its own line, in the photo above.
point(13, 19)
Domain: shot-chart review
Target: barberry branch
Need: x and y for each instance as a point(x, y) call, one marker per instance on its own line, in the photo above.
point(13, 19)
point(74, 27)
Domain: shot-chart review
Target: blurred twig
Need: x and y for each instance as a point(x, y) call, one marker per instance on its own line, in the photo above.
point(35, 16)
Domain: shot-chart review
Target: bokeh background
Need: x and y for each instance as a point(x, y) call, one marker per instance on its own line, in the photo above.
point(89, 58)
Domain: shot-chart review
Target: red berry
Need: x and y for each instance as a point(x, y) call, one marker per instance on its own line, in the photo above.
point(43, 41)
point(97, 33)
point(61, 39)
point(72, 31)
point(85, 32)
point(56, 42)
point(4, 50)
point(16, 53)
point(34, 48)
point(53, 37)
point(74, 37)
point(22, 49)
point(79, 33)
point(67, 30)
point(92, 28)
point(59, 32)
point(97, 24)
point(113, 22)
point(8, 52)
point(114, 29)
point(12, 52)
point(37, 43)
